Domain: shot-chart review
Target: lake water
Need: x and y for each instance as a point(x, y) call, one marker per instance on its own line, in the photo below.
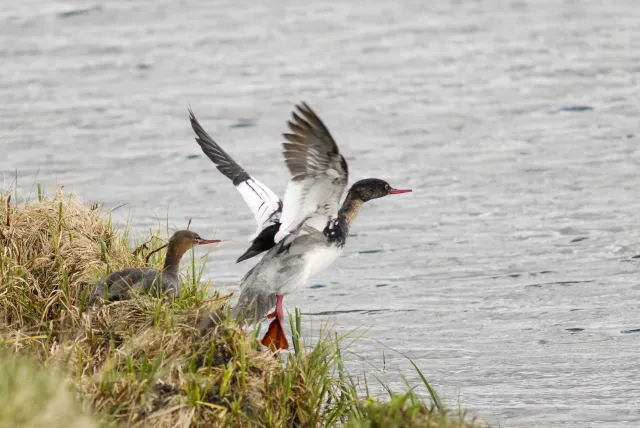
point(510, 276)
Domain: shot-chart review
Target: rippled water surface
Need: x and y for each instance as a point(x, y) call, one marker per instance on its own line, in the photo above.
point(511, 275)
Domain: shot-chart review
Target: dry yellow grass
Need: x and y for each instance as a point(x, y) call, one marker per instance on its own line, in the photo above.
point(54, 248)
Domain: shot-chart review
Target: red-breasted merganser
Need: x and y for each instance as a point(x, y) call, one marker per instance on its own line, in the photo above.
point(264, 204)
point(118, 285)
point(313, 230)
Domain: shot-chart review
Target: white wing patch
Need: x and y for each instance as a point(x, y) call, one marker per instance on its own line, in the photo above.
point(261, 200)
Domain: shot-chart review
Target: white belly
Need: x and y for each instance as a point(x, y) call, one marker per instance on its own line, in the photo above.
point(318, 260)
point(295, 275)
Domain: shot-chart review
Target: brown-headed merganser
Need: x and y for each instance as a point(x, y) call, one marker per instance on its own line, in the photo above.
point(313, 230)
point(264, 204)
point(118, 285)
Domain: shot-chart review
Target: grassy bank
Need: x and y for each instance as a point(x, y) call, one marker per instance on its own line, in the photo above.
point(145, 362)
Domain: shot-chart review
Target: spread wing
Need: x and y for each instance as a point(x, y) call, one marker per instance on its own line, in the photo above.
point(319, 173)
point(264, 204)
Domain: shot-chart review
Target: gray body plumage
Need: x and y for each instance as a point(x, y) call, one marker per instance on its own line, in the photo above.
point(286, 267)
point(253, 305)
point(118, 285)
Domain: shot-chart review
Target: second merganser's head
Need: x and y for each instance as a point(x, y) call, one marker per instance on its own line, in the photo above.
point(373, 188)
point(182, 241)
point(189, 239)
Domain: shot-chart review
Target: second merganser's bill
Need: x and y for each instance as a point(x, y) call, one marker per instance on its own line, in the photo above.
point(264, 204)
point(313, 231)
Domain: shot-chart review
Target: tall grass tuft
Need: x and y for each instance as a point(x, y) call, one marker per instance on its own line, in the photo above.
point(146, 362)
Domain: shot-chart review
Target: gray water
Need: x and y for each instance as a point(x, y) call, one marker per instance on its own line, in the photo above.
point(510, 276)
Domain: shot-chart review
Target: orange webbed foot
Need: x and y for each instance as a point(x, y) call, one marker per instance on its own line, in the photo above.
point(275, 338)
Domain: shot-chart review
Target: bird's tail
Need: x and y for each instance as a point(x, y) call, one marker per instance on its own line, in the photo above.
point(253, 305)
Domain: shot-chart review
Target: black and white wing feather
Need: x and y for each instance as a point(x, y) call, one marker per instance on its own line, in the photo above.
point(319, 173)
point(264, 204)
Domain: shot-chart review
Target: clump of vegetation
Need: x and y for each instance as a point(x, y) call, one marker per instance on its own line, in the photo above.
point(147, 362)
point(32, 397)
point(52, 252)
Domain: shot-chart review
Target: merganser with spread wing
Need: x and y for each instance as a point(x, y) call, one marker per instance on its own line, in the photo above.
point(313, 230)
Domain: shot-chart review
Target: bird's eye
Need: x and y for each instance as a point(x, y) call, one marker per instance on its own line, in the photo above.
point(386, 186)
